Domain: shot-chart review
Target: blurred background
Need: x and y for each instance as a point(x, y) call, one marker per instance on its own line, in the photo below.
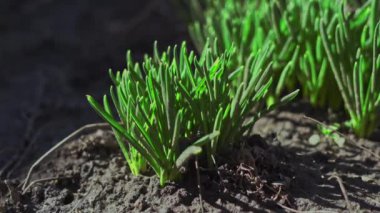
point(54, 52)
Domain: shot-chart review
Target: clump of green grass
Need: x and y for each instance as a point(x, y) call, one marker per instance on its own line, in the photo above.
point(351, 42)
point(312, 69)
point(315, 45)
point(232, 26)
point(229, 99)
point(174, 105)
point(291, 26)
point(153, 123)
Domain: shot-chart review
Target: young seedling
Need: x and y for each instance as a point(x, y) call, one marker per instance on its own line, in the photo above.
point(352, 49)
point(329, 133)
point(174, 104)
point(229, 100)
point(313, 70)
point(153, 123)
point(290, 26)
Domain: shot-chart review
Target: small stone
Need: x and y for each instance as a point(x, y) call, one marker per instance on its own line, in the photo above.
point(369, 178)
point(314, 139)
point(219, 201)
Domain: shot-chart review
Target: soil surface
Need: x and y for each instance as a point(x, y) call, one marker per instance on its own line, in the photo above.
point(54, 52)
point(314, 186)
point(277, 170)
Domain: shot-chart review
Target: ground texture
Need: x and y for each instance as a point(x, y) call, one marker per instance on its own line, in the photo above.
point(53, 52)
point(272, 172)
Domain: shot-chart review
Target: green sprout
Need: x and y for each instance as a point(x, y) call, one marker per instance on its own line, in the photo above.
point(330, 133)
point(313, 70)
point(233, 23)
point(290, 26)
point(329, 129)
point(327, 47)
point(153, 121)
point(173, 105)
point(351, 42)
point(229, 100)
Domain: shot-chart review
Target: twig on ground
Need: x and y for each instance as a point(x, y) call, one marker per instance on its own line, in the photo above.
point(345, 136)
point(41, 181)
point(277, 194)
point(199, 185)
point(59, 144)
point(344, 192)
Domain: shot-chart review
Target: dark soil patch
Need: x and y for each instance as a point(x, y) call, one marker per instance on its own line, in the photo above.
point(314, 164)
point(93, 175)
point(279, 167)
point(53, 52)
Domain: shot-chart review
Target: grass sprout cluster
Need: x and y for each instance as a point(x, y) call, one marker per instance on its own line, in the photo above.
point(291, 26)
point(327, 48)
point(179, 104)
point(176, 105)
point(351, 42)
